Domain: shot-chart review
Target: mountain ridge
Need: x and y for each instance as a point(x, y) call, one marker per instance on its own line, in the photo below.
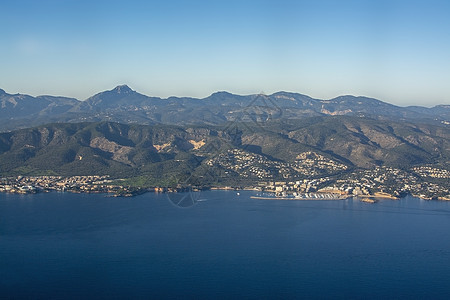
point(124, 105)
point(126, 89)
point(163, 150)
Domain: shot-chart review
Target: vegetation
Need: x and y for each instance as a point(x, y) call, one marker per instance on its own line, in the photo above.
point(163, 155)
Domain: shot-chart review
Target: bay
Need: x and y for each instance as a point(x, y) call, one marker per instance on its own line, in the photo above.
point(63, 245)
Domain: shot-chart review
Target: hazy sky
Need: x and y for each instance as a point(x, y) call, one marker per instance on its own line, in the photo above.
point(397, 51)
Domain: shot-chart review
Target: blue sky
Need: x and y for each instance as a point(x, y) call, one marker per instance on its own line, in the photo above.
point(397, 51)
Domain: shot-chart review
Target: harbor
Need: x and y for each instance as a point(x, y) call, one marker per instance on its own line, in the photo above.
point(302, 196)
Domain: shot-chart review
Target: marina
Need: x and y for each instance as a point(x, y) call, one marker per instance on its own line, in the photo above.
point(302, 196)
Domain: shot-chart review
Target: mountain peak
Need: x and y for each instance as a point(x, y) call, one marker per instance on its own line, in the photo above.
point(2, 92)
point(122, 89)
point(221, 93)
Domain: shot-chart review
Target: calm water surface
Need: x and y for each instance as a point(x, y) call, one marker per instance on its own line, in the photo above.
point(63, 245)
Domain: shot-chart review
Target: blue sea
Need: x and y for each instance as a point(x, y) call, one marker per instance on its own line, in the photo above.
point(63, 245)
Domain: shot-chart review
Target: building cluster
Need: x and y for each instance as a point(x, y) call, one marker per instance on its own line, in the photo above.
point(379, 182)
point(427, 171)
point(313, 164)
point(251, 165)
point(246, 164)
point(282, 188)
point(385, 181)
point(33, 184)
point(312, 172)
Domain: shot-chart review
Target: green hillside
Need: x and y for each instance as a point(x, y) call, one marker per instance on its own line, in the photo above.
point(164, 153)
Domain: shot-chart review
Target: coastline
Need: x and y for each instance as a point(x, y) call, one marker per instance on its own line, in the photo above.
point(137, 192)
point(300, 199)
point(383, 196)
point(271, 190)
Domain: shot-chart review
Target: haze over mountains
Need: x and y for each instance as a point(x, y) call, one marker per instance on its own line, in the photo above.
point(124, 105)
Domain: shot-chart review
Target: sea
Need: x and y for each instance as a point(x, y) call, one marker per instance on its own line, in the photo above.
point(225, 245)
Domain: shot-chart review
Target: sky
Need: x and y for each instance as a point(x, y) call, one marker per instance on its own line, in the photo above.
point(395, 51)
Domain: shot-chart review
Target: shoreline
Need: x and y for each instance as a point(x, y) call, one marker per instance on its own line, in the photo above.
point(382, 196)
point(300, 199)
point(170, 191)
point(267, 190)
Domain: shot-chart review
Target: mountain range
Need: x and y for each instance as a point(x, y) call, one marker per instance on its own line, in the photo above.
point(124, 105)
point(159, 152)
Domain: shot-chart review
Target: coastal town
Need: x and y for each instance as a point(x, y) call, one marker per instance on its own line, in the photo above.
point(310, 176)
point(316, 173)
point(74, 184)
point(381, 182)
